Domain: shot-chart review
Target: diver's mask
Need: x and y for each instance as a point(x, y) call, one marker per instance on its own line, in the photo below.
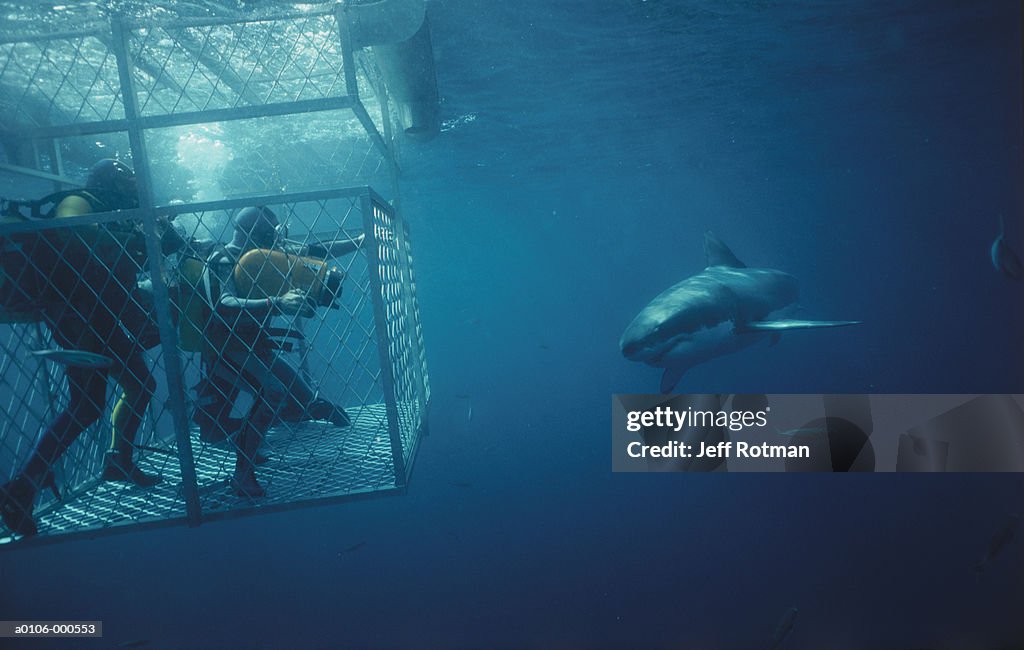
point(117, 181)
point(280, 233)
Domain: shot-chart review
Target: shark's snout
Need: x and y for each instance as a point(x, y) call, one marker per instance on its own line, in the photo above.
point(636, 340)
point(631, 349)
point(648, 345)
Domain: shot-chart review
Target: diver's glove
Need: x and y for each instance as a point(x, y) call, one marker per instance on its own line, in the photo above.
point(293, 303)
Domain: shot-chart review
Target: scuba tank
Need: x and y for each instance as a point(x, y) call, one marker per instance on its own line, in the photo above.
point(263, 273)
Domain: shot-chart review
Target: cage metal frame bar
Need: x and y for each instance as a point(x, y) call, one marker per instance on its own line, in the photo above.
point(136, 214)
point(35, 173)
point(173, 372)
point(221, 515)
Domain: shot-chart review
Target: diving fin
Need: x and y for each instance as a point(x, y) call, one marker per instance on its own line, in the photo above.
point(77, 358)
point(791, 324)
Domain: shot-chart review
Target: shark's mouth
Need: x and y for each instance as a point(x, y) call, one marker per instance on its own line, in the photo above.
point(659, 353)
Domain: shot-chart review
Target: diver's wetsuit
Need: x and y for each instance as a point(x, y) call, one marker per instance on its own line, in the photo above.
point(87, 296)
point(236, 333)
point(241, 354)
point(93, 295)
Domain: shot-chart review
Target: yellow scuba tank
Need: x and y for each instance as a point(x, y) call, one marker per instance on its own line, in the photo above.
point(263, 273)
point(194, 303)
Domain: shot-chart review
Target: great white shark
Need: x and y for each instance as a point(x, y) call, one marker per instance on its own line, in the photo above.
point(724, 308)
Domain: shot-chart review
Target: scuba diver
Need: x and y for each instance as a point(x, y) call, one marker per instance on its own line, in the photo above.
point(241, 351)
point(90, 303)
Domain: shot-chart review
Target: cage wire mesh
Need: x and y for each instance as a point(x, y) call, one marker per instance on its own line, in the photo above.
point(411, 392)
point(202, 67)
point(60, 80)
point(359, 352)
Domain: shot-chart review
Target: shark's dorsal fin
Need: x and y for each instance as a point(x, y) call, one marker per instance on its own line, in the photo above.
point(718, 254)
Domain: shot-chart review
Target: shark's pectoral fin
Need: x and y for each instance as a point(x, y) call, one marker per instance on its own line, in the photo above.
point(790, 324)
point(671, 377)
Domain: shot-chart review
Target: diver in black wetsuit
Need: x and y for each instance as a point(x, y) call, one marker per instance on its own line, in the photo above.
point(241, 353)
point(89, 304)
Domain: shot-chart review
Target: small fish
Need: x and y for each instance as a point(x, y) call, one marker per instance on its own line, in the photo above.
point(353, 548)
point(460, 484)
point(783, 628)
point(76, 358)
point(749, 402)
point(469, 414)
point(544, 346)
point(999, 540)
point(1003, 258)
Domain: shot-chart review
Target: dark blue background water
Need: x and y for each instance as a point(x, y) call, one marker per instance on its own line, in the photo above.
point(868, 149)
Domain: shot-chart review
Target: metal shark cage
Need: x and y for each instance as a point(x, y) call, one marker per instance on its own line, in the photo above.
point(309, 121)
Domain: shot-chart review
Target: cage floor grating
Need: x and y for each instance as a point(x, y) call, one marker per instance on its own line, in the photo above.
point(307, 461)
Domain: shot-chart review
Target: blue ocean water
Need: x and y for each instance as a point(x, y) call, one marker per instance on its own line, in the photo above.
point(868, 149)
